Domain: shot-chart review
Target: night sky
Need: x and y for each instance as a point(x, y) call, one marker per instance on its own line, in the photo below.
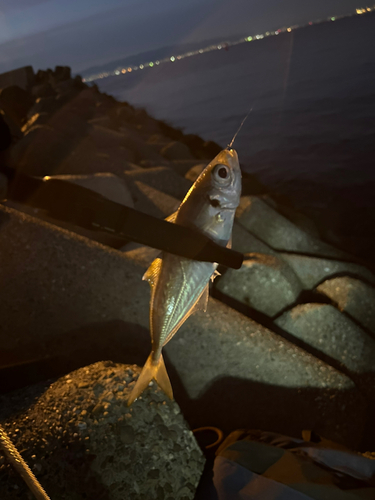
point(84, 33)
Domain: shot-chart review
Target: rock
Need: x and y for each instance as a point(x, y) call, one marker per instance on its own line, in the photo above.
point(62, 73)
point(245, 242)
point(108, 185)
point(163, 204)
point(75, 300)
point(43, 105)
point(183, 166)
point(22, 77)
point(312, 271)
point(36, 120)
point(176, 151)
point(211, 149)
point(194, 172)
point(16, 102)
point(278, 232)
point(352, 296)
point(162, 178)
point(251, 185)
point(142, 150)
point(3, 186)
point(79, 437)
point(264, 283)
point(323, 327)
point(42, 90)
point(5, 133)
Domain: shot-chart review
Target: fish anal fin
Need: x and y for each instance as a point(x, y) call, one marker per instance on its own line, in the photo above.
point(201, 304)
point(152, 273)
point(172, 217)
point(151, 370)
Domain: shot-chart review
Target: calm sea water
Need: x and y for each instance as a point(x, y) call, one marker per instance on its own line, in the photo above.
point(311, 134)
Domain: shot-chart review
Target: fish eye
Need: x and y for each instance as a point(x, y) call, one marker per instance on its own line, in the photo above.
point(221, 172)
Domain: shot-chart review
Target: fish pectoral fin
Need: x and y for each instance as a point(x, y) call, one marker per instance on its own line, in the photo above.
point(229, 244)
point(152, 370)
point(215, 275)
point(152, 273)
point(172, 217)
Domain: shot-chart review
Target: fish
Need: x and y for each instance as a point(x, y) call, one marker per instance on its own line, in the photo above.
point(180, 286)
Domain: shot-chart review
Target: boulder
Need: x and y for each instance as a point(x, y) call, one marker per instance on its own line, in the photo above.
point(43, 105)
point(62, 73)
point(141, 149)
point(74, 301)
point(278, 232)
point(16, 102)
point(42, 90)
point(176, 151)
point(82, 441)
point(153, 201)
point(264, 283)
point(194, 172)
point(327, 330)
point(108, 185)
point(353, 297)
point(36, 120)
point(183, 166)
point(312, 270)
point(245, 242)
point(162, 178)
point(22, 77)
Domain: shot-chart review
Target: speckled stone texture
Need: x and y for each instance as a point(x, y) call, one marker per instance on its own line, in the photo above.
point(82, 441)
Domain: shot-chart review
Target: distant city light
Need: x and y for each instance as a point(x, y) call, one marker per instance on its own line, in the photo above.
point(226, 45)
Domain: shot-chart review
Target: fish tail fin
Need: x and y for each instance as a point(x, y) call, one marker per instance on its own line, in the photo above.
point(152, 370)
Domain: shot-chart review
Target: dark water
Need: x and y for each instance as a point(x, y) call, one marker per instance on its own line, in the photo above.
point(311, 134)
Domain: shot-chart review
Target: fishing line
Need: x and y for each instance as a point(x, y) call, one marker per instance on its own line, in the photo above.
point(239, 128)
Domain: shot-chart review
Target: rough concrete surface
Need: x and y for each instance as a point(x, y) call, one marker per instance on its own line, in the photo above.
point(312, 270)
point(68, 296)
point(264, 283)
point(82, 441)
point(353, 297)
point(163, 179)
point(325, 328)
point(277, 231)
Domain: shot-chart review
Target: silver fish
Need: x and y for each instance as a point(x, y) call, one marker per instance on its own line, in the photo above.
point(179, 286)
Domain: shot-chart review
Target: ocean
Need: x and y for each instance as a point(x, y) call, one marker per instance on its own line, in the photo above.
point(311, 134)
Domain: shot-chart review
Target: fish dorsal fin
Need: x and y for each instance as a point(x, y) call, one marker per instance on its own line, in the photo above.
point(152, 273)
point(172, 217)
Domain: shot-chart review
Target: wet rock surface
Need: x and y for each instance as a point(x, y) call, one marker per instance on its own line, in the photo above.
point(82, 441)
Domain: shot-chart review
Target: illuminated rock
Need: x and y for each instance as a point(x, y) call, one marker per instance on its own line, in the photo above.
point(353, 297)
point(264, 283)
point(176, 151)
point(327, 330)
point(278, 232)
point(79, 436)
point(312, 271)
point(164, 179)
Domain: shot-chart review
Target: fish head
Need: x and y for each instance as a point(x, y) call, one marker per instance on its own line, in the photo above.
point(211, 202)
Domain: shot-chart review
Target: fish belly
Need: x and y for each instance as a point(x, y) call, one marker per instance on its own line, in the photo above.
point(179, 286)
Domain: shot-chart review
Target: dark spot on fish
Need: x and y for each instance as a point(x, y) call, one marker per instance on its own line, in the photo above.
point(214, 203)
